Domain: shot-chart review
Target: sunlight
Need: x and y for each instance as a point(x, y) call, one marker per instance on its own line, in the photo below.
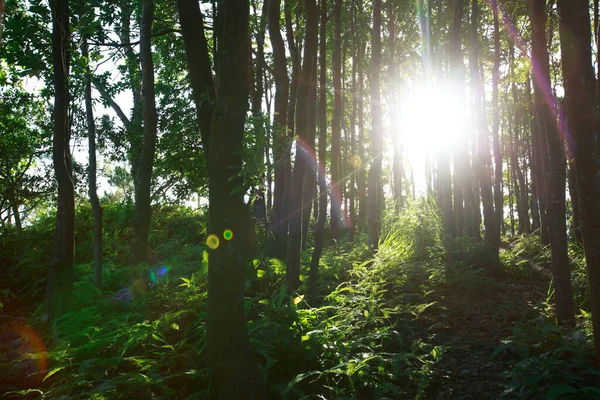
point(431, 120)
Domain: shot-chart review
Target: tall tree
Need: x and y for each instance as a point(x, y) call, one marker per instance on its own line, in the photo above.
point(322, 119)
point(336, 123)
point(302, 156)
point(280, 136)
point(556, 173)
point(199, 66)
point(580, 98)
point(143, 176)
point(374, 213)
point(234, 371)
point(482, 164)
point(59, 290)
point(498, 194)
point(92, 189)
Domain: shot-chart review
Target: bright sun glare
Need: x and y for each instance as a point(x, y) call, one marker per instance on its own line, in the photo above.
point(431, 120)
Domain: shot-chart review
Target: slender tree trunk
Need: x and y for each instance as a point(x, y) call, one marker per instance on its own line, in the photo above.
point(143, 209)
point(302, 120)
point(555, 175)
point(483, 163)
point(280, 136)
point(353, 157)
point(235, 374)
point(59, 290)
point(322, 118)
point(336, 126)
point(361, 183)
point(199, 67)
point(533, 162)
point(259, 205)
point(374, 199)
point(96, 208)
point(132, 62)
point(578, 75)
point(498, 194)
point(291, 122)
point(394, 86)
point(308, 192)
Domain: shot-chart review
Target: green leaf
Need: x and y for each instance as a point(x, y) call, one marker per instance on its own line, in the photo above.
point(260, 273)
point(558, 390)
point(52, 372)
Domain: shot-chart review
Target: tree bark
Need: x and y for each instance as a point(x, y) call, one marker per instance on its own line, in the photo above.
point(336, 124)
point(302, 121)
point(374, 187)
point(96, 207)
point(555, 174)
point(498, 194)
point(143, 211)
point(235, 374)
point(280, 136)
point(580, 99)
point(199, 67)
point(322, 118)
point(483, 163)
point(59, 290)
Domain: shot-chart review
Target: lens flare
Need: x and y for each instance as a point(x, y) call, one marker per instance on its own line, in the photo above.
point(355, 161)
point(228, 234)
point(212, 241)
point(32, 354)
point(158, 273)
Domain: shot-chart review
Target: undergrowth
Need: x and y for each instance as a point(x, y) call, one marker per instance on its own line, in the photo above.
point(359, 334)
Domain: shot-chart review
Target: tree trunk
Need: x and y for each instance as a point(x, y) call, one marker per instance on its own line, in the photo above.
point(361, 183)
point(59, 290)
point(395, 90)
point(144, 174)
point(353, 157)
point(259, 205)
point(199, 67)
point(96, 208)
point(235, 374)
point(578, 75)
point(555, 175)
point(308, 192)
point(322, 117)
point(374, 200)
point(336, 125)
point(302, 120)
point(498, 194)
point(483, 163)
point(132, 62)
point(280, 136)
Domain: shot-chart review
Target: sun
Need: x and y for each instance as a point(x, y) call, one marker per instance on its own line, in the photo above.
point(431, 121)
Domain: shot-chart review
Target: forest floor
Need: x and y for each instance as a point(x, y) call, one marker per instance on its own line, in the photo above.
point(470, 327)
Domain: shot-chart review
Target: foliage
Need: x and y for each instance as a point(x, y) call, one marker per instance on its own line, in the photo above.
point(552, 361)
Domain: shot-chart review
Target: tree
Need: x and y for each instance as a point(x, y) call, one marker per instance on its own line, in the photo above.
point(143, 177)
point(374, 213)
point(95, 202)
point(235, 373)
point(322, 119)
point(578, 75)
point(336, 124)
point(555, 174)
point(301, 161)
point(59, 290)
point(280, 136)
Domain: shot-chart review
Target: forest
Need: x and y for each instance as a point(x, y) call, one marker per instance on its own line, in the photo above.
point(300, 199)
